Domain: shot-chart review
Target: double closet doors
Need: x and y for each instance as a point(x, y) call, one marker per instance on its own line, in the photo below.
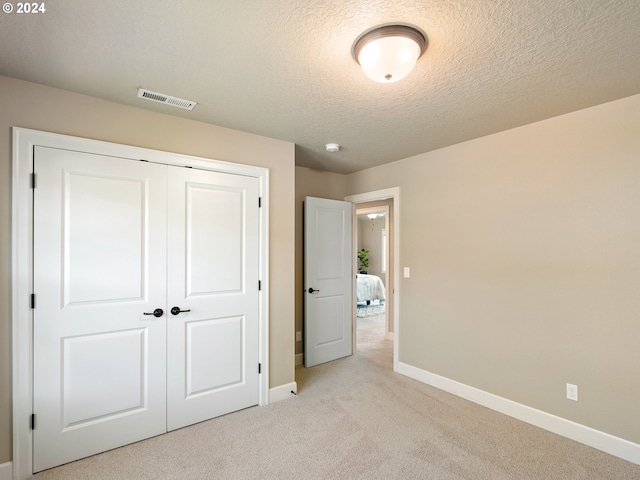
point(146, 300)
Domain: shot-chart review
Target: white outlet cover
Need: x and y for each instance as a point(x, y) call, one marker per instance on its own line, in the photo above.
point(572, 392)
point(406, 272)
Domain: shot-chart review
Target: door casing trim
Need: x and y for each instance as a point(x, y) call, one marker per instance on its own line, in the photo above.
point(24, 141)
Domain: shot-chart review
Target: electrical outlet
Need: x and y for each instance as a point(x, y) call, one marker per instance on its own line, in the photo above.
point(298, 336)
point(572, 392)
point(406, 272)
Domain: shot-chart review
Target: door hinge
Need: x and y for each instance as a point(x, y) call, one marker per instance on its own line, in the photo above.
point(259, 284)
point(32, 179)
point(259, 202)
point(33, 421)
point(32, 301)
point(259, 368)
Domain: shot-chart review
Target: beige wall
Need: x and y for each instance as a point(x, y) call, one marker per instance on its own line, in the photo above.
point(311, 183)
point(33, 106)
point(524, 248)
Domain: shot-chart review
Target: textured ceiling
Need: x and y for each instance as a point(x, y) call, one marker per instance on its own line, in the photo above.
point(283, 68)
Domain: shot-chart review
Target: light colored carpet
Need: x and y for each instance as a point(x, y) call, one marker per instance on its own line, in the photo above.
point(355, 419)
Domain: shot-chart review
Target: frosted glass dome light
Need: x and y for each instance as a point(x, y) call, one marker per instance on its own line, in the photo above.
point(389, 53)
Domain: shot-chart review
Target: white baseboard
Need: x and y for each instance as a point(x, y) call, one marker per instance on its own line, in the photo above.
point(282, 392)
point(580, 433)
point(299, 358)
point(6, 471)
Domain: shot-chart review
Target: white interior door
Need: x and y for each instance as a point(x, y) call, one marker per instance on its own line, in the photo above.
point(328, 281)
point(99, 265)
point(116, 240)
point(213, 278)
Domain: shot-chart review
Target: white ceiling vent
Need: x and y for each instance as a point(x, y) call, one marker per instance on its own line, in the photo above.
point(167, 99)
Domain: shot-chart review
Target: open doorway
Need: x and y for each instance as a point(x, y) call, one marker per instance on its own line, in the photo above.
point(391, 197)
point(374, 281)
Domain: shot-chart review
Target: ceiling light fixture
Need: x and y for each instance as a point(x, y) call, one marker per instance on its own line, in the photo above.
point(388, 53)
point(332, 147)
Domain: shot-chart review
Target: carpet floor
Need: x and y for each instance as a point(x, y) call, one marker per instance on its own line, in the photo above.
point(355, 418)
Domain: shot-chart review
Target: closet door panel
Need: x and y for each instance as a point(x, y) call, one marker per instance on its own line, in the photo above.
point(99, 265)
point(213, 283)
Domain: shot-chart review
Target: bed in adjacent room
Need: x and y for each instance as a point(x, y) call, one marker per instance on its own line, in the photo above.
point(370, 294)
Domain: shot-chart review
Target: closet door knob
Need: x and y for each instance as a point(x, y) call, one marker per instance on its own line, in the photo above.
point(311, 290)
point(158, 312)
point(176, 311)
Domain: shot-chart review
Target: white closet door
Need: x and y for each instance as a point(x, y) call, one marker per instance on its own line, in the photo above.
point(212, 347)
point(99, 265)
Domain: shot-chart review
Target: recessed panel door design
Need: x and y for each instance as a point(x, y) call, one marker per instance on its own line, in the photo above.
point(99, 266)
point(147, 301)
point(213, 291)
point(329, 279)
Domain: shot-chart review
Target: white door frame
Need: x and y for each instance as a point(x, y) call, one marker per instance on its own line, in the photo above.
point(24, 141)
point(394, 193)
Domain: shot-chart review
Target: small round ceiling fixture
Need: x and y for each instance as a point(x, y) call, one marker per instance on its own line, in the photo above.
point(332, 147)
point(388, 53)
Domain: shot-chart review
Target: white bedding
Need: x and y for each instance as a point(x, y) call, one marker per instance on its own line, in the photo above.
point(369, 288)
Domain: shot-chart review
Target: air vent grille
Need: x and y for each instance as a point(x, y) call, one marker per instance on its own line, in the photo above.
point(166, 99)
